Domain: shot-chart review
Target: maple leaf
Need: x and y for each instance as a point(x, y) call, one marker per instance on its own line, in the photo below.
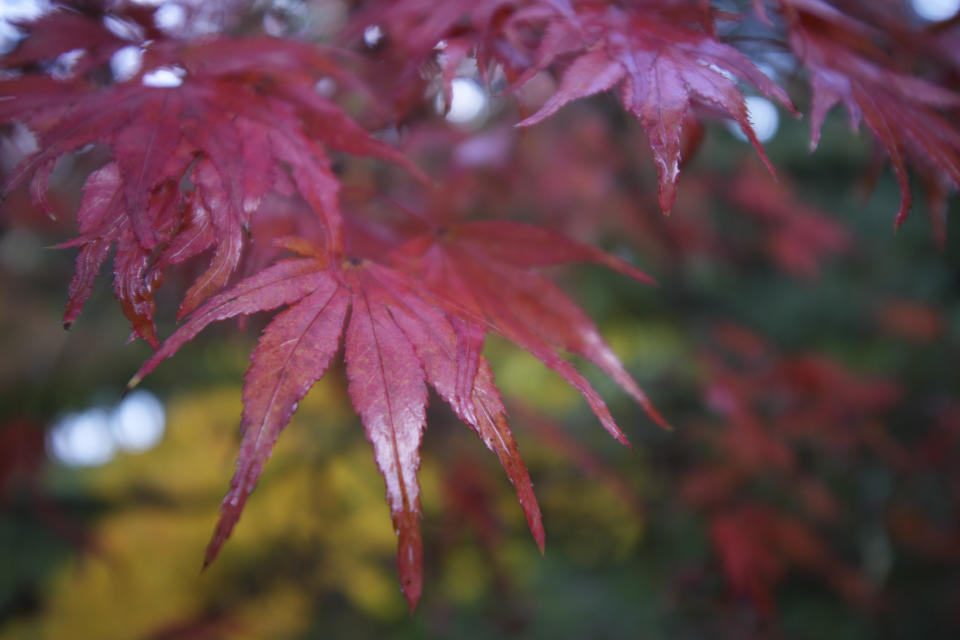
point(218, 131)
point(399, 338)
point(756, 545)
point(797, 237)
point(901, 111)
point(665, 59)
point(484, 269)
point(662, 71)
point(395, 343)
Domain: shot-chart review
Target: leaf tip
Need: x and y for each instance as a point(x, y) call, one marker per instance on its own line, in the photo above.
point(151, 339)
point(621, 437)
point(132, 384)
point(213, 549)
point(667, 192)
point(535, 523)
point(900, 219)
point(412, 589)
point(412, 602)
point(529, 121)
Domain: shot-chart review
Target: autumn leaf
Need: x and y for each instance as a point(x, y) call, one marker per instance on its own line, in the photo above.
point(756, 546)
point(662, 72)
point(398, 338)
point(395, 343)
point(902, 112)
point(213, 128)
point(485, 269)
point(795, 236)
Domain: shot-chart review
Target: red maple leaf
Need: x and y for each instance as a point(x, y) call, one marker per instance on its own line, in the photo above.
point(395, 343)
point(400, 337)
point(756, 546)
point(238, 117)
point(191, 165)
point(797, 237)
point(902, 112)
point(484, 269)
point(662, 68)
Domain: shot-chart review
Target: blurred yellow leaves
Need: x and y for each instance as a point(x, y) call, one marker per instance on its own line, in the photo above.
point(466, 575)
point(320, 498)
point(526, 377)
point(598, 526)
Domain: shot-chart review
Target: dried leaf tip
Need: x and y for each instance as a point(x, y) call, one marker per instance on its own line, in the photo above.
point(132, 384)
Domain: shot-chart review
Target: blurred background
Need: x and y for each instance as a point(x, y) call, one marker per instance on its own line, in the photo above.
point(805, 353)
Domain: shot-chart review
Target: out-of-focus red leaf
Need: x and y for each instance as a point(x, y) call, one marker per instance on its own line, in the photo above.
point(903, 113)
point(911, 320)
point(933, 540)
point(797, 237)
point(757, 546)
point(21, 454)
point(23, 459)
point(766, 507)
